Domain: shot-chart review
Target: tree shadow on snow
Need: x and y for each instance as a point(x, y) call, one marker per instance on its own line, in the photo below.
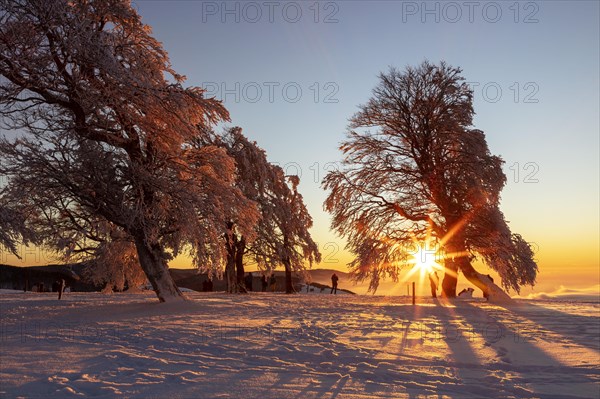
point(581, 330)
point(518, 360)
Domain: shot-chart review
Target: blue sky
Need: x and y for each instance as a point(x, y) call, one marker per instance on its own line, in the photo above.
point(534, 68)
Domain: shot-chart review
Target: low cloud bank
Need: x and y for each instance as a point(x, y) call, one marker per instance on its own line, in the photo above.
point(580, 294)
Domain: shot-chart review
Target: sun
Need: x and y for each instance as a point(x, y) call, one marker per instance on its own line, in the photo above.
point(424, 260)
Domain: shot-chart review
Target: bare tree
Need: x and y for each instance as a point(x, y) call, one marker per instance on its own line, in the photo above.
point(424, 172)
point(107, 121)
point(13, 228)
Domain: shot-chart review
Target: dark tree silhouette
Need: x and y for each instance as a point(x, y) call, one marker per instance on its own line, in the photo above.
point(13, 228)
point(424, 170)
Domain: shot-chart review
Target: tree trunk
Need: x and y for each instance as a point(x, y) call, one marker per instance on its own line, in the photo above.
point(456, 251)
point(230, 273)
point(485, 284)
point(462, 263)
point(289, 289)
point(453, 250)
point(450, 278)
point(157, 271)
point(240, 248)
point(230, 276)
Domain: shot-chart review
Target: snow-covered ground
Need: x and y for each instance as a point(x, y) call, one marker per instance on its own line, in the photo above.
point(265, 345)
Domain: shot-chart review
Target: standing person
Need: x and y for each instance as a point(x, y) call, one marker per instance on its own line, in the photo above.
point(334, 282)
point(61, 288)
point(264, 283)
point(272, 282)
point(433, 282)
point(26, 287)
point(248, 281)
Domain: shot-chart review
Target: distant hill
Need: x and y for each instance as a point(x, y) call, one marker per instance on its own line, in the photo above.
point(317, 288)
point(33, 278)
point(193, 279)
point(17, 277)
point(388, 287)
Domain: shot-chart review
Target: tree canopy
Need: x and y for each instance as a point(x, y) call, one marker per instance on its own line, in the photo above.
point(415, 169)
point(281, 235)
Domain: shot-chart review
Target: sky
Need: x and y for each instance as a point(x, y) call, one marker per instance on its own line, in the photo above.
point(291, 74)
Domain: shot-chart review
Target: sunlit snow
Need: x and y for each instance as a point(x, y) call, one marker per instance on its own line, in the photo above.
point(265, 345)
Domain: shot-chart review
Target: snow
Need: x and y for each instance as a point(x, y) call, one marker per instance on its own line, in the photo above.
point(269, 345)
point(326, 290)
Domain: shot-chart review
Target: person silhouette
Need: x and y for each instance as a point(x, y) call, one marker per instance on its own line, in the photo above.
point(248, 281)
point(334, 283)
point(264, 283)
point(433, 283)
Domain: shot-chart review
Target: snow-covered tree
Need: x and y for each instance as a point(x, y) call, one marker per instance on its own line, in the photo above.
point(105, 123)
point(13, 228)
point(281, 235)
point(291, 221)
point(115, 266)
point(424, 173)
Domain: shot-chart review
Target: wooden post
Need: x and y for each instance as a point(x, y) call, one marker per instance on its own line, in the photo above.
point(407, 289)
point(413, 296)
